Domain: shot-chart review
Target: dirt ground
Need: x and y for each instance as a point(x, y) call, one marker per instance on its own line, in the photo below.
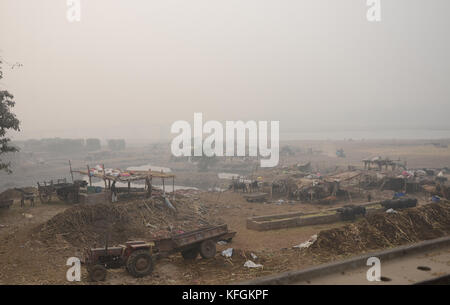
point(29, 257)
point(35, 245)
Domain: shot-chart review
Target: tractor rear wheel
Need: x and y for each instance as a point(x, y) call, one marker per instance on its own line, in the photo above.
point(140, 263)
point(97, 273)
point(190, 253)
point(208, 249)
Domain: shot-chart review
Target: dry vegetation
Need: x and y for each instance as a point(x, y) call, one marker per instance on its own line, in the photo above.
point(385, 230)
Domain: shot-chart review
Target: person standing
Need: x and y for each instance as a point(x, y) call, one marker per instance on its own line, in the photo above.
point(113, 192)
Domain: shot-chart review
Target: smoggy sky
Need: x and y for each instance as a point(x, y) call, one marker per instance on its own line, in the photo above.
point(131, 68)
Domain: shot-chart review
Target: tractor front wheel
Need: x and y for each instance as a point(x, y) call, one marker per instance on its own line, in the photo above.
point(97, 273)
point(140, 263)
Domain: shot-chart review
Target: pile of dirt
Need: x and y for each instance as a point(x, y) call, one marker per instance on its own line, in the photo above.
point(86, 225)
point(384, 230)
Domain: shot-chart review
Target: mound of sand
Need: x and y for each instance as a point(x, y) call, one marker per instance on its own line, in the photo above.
point(86, 225)
point(384, 230)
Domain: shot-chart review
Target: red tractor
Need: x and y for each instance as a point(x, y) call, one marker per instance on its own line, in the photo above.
point(136, 256)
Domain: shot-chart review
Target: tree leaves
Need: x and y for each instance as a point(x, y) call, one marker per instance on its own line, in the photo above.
point(8, 121)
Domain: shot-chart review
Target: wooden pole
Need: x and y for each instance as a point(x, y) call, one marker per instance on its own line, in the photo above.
point(147, 182)
point(89, 175)
point(151, 182)
point(359, 185)
point(104, 176)
point(164, 187)
point(71, 172)
point(173, 188)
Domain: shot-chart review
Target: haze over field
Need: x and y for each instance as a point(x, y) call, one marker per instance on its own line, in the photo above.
point(130, 69)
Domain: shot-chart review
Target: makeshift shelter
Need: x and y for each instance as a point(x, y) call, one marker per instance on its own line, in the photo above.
point(112, 176)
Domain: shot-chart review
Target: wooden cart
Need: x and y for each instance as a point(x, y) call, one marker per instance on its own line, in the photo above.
point(67, 192)
point(6, 203)
point(25, 196)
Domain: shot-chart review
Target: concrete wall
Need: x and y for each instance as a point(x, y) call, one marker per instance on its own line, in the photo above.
point(296, 221)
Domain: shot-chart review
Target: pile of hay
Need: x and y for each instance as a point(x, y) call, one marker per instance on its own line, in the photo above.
point(86, 225)
point(384, 230)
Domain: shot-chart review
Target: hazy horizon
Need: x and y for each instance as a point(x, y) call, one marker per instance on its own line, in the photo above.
point(129, 70)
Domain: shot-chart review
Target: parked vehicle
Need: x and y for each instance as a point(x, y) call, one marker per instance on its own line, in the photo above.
point(138, 256)
point(6, 203)
point(67, 192)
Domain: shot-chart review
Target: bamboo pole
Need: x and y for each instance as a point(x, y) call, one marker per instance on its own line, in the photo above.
point(71, 172)
point(151, 182)
point(164, 187)
point(104, 176)
point(89, 175)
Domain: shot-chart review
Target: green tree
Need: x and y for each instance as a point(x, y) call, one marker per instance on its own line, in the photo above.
point(8, 121)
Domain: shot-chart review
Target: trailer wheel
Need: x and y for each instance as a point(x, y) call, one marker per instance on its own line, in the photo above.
point(97, 273)
point(140, 263)
point(208, 249)
point(190, 253)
